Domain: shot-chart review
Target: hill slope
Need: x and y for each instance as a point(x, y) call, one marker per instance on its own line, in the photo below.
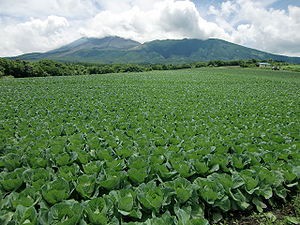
point(120, 50)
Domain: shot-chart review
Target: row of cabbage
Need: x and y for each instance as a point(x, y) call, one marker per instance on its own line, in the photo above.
point(173, 148)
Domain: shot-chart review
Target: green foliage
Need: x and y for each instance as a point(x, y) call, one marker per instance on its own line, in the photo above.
point(97, 211)
point(11, 181)
point(181, 188)
point(10, 161)
point(86, 185)
point(65, 213)
point(25, 215)
point(151, 197)
point(56, 191)
point(167, 147)
point(43, 68)
point(2, 70)
point(291, 67)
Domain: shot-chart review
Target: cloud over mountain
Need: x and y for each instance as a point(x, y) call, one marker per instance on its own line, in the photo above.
point(32, 25)
point(166, 19)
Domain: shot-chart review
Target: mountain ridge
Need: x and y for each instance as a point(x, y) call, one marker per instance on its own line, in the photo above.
point(114, 49)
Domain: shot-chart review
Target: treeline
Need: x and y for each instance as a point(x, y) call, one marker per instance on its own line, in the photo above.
point(44, 68)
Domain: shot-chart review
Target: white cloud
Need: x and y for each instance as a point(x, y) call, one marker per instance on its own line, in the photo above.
point(259, 27)
point(35, 25)
point(124, 5)
point(183, 18)
point(228, 8)
point(43, 8)
point(294, 13)
point(166, 19)
point(33, 35)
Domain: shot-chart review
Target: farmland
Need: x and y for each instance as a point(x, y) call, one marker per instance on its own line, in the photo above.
point(162, 147)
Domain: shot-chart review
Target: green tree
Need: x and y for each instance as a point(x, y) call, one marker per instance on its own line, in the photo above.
point(1, 71)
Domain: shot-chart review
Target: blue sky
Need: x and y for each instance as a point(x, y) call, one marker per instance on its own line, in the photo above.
point(42, 25)
point(283, 4)
point(279, 4)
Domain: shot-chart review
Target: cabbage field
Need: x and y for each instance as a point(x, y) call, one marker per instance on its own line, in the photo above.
point(163, 147)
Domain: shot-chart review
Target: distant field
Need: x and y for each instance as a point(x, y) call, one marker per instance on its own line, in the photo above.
point(295, 68)
point(162, 147)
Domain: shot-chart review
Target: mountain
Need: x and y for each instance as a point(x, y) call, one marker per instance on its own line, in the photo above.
point(120, 50)
point(87, 50)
